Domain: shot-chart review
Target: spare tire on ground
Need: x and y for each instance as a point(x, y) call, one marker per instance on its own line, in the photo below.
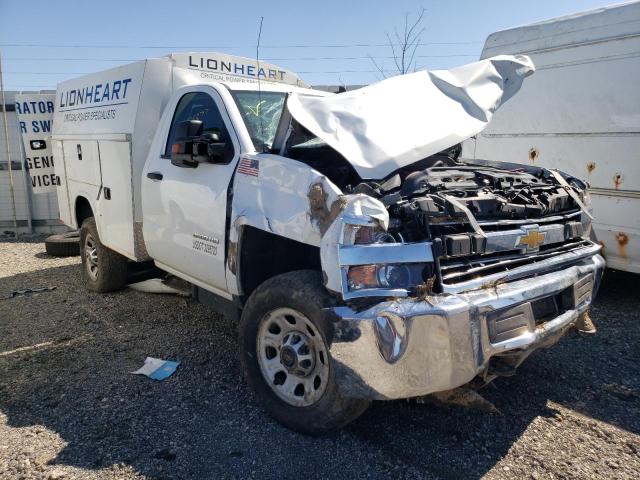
point(63, 244)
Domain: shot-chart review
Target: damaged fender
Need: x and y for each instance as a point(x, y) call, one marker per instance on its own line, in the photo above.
point(285, 198)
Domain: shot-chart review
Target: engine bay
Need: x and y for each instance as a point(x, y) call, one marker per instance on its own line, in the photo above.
point(442, 194)
point(441, 200)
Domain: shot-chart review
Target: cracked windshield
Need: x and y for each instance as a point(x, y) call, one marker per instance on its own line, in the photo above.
point(261, 114)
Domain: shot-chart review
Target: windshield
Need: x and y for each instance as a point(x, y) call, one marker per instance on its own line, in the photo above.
point(261, 113)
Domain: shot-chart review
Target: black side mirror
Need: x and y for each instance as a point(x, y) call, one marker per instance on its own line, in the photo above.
point(209, 148)
point(182, 147)
point(188, 129)
point(192, 147)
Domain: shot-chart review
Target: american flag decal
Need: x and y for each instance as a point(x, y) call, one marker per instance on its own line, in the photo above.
point(249, 166)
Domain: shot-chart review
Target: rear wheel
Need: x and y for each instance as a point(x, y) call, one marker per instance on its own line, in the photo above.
point(103, 269)
point(284, 339)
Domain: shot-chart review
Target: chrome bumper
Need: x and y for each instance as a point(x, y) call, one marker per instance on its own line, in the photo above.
point(408, 347)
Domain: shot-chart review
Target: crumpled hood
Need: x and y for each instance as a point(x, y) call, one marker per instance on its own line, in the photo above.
point(403, 119)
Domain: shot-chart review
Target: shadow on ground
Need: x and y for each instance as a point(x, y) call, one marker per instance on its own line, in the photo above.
point(202, 422)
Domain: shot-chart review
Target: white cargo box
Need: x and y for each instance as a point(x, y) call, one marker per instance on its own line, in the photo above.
point(580, 113)
point(104, 124)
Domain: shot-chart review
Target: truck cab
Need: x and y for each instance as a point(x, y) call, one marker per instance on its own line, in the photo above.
point(362, 257)
point(190, 204)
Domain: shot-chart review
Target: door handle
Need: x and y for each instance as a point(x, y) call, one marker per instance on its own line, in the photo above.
point(156, 176)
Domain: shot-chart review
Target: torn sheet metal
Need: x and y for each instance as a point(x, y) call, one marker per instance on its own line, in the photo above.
point(560, 179)
point(356, 209)
point(157, 369)
point(283, 199)
point(289, 199)
point(403, 119)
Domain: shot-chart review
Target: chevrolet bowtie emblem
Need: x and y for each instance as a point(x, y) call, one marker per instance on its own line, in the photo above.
point(533, 239)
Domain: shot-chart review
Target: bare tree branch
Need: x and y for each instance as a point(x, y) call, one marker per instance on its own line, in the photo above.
point(393, 50)
point(378, 67)
point(416, 43)
point(404, 46)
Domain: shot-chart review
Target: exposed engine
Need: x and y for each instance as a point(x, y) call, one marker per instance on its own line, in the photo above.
point(478, 216)
point(437, 200)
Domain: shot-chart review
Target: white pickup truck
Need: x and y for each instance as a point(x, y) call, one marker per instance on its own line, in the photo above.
point(363, 258)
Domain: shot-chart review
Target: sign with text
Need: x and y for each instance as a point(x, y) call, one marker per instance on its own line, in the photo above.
point(103, 102)
point(35, 116)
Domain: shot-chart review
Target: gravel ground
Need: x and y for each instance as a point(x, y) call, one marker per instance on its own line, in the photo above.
point(69, 408)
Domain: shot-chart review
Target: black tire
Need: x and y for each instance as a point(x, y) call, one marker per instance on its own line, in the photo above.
point(111, 268)
point(302, 291)
point(63, 245)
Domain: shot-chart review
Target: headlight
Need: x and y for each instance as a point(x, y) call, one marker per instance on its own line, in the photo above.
point(375, 262)
point(387, 276)
point(390, 276)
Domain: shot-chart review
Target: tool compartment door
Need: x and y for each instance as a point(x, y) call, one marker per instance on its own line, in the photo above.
point(82, 168)
point(62, 192)
point(115, 202)
point(83, 161)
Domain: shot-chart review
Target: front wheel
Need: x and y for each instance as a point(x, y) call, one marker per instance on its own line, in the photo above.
point(285, 354)
point(103, 269)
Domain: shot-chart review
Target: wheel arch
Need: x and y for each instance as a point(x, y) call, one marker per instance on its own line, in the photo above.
point(82, 210)
point(260, 255)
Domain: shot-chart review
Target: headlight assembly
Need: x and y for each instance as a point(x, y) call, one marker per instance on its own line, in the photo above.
point(375, 262)
point(385, 276)
point(364, 235)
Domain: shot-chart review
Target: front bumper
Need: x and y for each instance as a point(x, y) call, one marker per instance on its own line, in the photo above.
point(408, 347)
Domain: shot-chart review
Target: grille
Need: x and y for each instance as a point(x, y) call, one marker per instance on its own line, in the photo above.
point(457, 270)
point(439, 227)
point(463, 255)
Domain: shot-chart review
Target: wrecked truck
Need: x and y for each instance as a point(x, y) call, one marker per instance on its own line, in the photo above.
point(364, 258)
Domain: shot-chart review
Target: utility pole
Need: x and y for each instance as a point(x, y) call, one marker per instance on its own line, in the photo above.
point(6, 140)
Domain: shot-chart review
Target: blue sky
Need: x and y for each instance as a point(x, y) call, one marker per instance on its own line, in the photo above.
point(315, 39)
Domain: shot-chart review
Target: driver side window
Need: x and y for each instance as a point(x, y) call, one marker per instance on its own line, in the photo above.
point(196, 106)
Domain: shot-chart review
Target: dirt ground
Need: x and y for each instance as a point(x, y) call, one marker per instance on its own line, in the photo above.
point(69, 407)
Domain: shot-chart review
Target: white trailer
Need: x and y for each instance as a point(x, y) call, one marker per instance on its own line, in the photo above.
point(580, 112)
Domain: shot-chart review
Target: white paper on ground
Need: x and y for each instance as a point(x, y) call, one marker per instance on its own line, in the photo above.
point(157, 369)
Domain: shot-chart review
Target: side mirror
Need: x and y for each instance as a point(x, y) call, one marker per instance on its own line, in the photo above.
point(192, 147)
point(181, 149)
point(209, 148)
point(188, 129)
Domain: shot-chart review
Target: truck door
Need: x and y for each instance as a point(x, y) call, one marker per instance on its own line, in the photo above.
point(185, 209)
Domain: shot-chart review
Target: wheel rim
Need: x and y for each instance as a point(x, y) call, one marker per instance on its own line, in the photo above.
point(292, 357)
point(91, 256)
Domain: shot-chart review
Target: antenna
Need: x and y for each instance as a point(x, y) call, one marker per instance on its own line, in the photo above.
point(259, 108)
